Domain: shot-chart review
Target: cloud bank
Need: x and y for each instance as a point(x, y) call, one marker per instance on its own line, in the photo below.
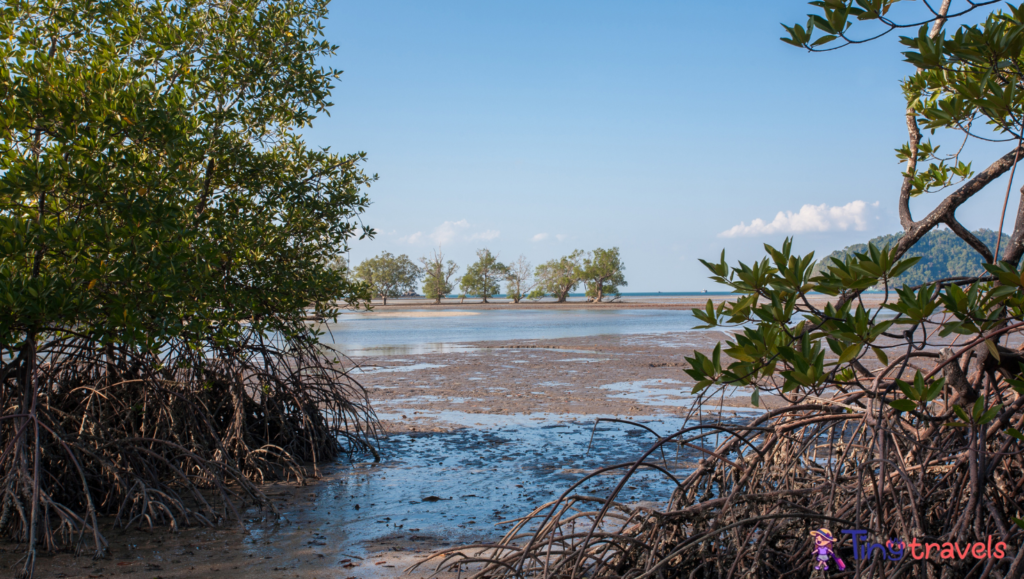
point(853, 215)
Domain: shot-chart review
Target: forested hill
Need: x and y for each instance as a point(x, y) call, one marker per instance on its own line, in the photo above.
point(943, 254)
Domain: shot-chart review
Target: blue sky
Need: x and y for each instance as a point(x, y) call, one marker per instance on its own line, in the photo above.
point(536, 128)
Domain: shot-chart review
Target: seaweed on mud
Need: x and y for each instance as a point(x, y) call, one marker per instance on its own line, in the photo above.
point(178, 438)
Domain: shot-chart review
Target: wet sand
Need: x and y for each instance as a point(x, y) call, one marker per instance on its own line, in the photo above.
point(479, 433)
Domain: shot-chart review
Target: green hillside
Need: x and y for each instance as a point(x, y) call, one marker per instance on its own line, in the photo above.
point(943, 255)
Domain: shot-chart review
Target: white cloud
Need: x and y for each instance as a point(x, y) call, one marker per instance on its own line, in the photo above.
point(448, 231)
point(561, 237)
point(540, 237)
point(451, 232)
point(853, 215)
point(486, 235)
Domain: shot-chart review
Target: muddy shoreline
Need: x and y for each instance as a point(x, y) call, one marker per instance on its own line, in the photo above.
point(478, 434)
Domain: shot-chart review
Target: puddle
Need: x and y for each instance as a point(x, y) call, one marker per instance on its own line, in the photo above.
point(583, 360)
point(427, 399)
point(382, 370)
point(647, 392)
point(360, 351)
point(543, 349)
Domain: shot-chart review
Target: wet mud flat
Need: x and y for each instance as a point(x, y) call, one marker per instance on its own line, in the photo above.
point(480, 434)
point(463, 385)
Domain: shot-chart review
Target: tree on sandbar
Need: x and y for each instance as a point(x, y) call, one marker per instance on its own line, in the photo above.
point(602, 273)
point(389, 276)
point(519, 279)
point(437, 276)
point(558, 277)
point(483, 277)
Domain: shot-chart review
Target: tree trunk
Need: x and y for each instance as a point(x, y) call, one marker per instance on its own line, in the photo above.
point(385, 298)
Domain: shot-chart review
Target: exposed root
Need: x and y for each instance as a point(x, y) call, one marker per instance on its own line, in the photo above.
point(175, 439)
point(748, 507)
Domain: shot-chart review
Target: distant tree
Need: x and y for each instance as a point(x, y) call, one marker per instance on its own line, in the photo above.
point(483, 278)
point(558, 277)
point(519, 278)
point(389, 276)
point(602, 272)
point(437, 276)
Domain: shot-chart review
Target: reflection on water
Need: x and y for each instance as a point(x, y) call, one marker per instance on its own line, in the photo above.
point(370, 334)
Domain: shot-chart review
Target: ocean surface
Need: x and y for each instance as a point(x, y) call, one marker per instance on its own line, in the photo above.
point(417, 331)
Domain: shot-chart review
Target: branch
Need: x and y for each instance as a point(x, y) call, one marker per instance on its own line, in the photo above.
point(906, 220)
point(969, 237)
point(948, 207)
point(1015, 245)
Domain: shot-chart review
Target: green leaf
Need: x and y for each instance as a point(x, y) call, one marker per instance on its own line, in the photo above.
point(990, 414)
point(933, 391)
point(881, 355)
point(701, 385)
point(908, 390)
point(961, 413)
point(903, 266)
point(992, 349)
point(822, 24)
point(978, 409)
point(755, 398)
point(903, 405)
point(849, 353)
point(1015, 433)
point(824, 40)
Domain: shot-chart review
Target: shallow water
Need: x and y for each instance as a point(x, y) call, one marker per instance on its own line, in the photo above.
point(387, 369)
point(454, 485)
point(356, 334)
point(660, 392)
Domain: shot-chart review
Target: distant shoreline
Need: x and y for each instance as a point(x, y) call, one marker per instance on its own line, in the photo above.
point(647, 301)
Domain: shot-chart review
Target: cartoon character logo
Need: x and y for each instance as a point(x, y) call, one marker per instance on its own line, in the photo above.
point(823, 541)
